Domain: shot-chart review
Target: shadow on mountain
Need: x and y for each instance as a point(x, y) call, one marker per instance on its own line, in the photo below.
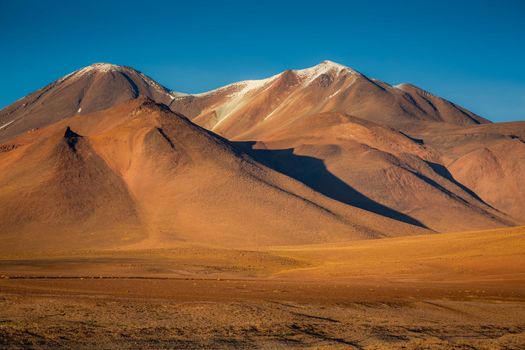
point(414, 139)
point(313, 173)
point(443, 172)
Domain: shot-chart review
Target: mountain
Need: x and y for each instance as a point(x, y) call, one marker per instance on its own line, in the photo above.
point(254, 109)
point(86, 90)
point(139, 175)
point(362, 132)
point(489, 159)
point(108, 158)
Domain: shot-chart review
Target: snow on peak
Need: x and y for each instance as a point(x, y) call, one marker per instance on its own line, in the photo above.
point(332, 65)
point(109, 67)
point(325, 67)
point(307, 75)
point(242, 87)
point(95, 68)
point(248, 85)
point(105, 67)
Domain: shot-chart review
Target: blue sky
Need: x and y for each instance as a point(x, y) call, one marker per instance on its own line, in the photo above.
point(471, 52)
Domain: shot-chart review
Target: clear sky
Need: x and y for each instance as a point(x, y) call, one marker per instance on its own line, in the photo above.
point(470, 52)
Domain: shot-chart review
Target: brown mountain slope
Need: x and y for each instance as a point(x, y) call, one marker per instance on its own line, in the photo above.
point(357, 160)
point(489, 159)
point(360, 132)
point(89, 89)
point(252, 109)
point(138, 175)
point(388, 150)
point(51, 183)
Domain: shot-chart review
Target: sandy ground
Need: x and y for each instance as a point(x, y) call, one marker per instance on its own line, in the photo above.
point(459, 291)
point(189, 314)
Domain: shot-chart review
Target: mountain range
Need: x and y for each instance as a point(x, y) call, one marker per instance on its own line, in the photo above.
point(106, 157)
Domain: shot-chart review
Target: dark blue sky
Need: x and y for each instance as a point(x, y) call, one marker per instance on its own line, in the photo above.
point(471, 52)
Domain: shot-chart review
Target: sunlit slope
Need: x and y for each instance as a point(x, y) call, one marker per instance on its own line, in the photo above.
point(140, 176)
point(463, 257)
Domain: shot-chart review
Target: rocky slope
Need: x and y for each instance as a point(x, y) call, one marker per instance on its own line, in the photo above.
point(106, 157)
point(139, 175)
point(86, 90)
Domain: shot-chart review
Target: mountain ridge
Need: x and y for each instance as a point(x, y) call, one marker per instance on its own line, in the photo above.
point(134, 83)
point(322, 154)
point(139, 175)
point(336, 88)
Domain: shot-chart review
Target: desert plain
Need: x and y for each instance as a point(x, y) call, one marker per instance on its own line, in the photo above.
point(460, 290)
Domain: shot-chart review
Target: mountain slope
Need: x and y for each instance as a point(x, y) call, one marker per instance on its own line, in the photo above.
point(89, 89)
point(357, 129)
point(395, 152)
point(489, 159)
point(250, 109)
point(363, 161)
point(138, 175)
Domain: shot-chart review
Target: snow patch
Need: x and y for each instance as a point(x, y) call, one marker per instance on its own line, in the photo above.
point(105, 67)
point(236, 97)
point(175, 94)
point(326, 67)
point(108, 67)
point(94, 68)
point(306, 75)
point(272, 113)
point(7, 124)
point(241, 87)
point(335, 93)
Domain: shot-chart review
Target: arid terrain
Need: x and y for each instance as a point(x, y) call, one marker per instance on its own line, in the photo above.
point(455, 290)
point(237, 314)
point(317, 208)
